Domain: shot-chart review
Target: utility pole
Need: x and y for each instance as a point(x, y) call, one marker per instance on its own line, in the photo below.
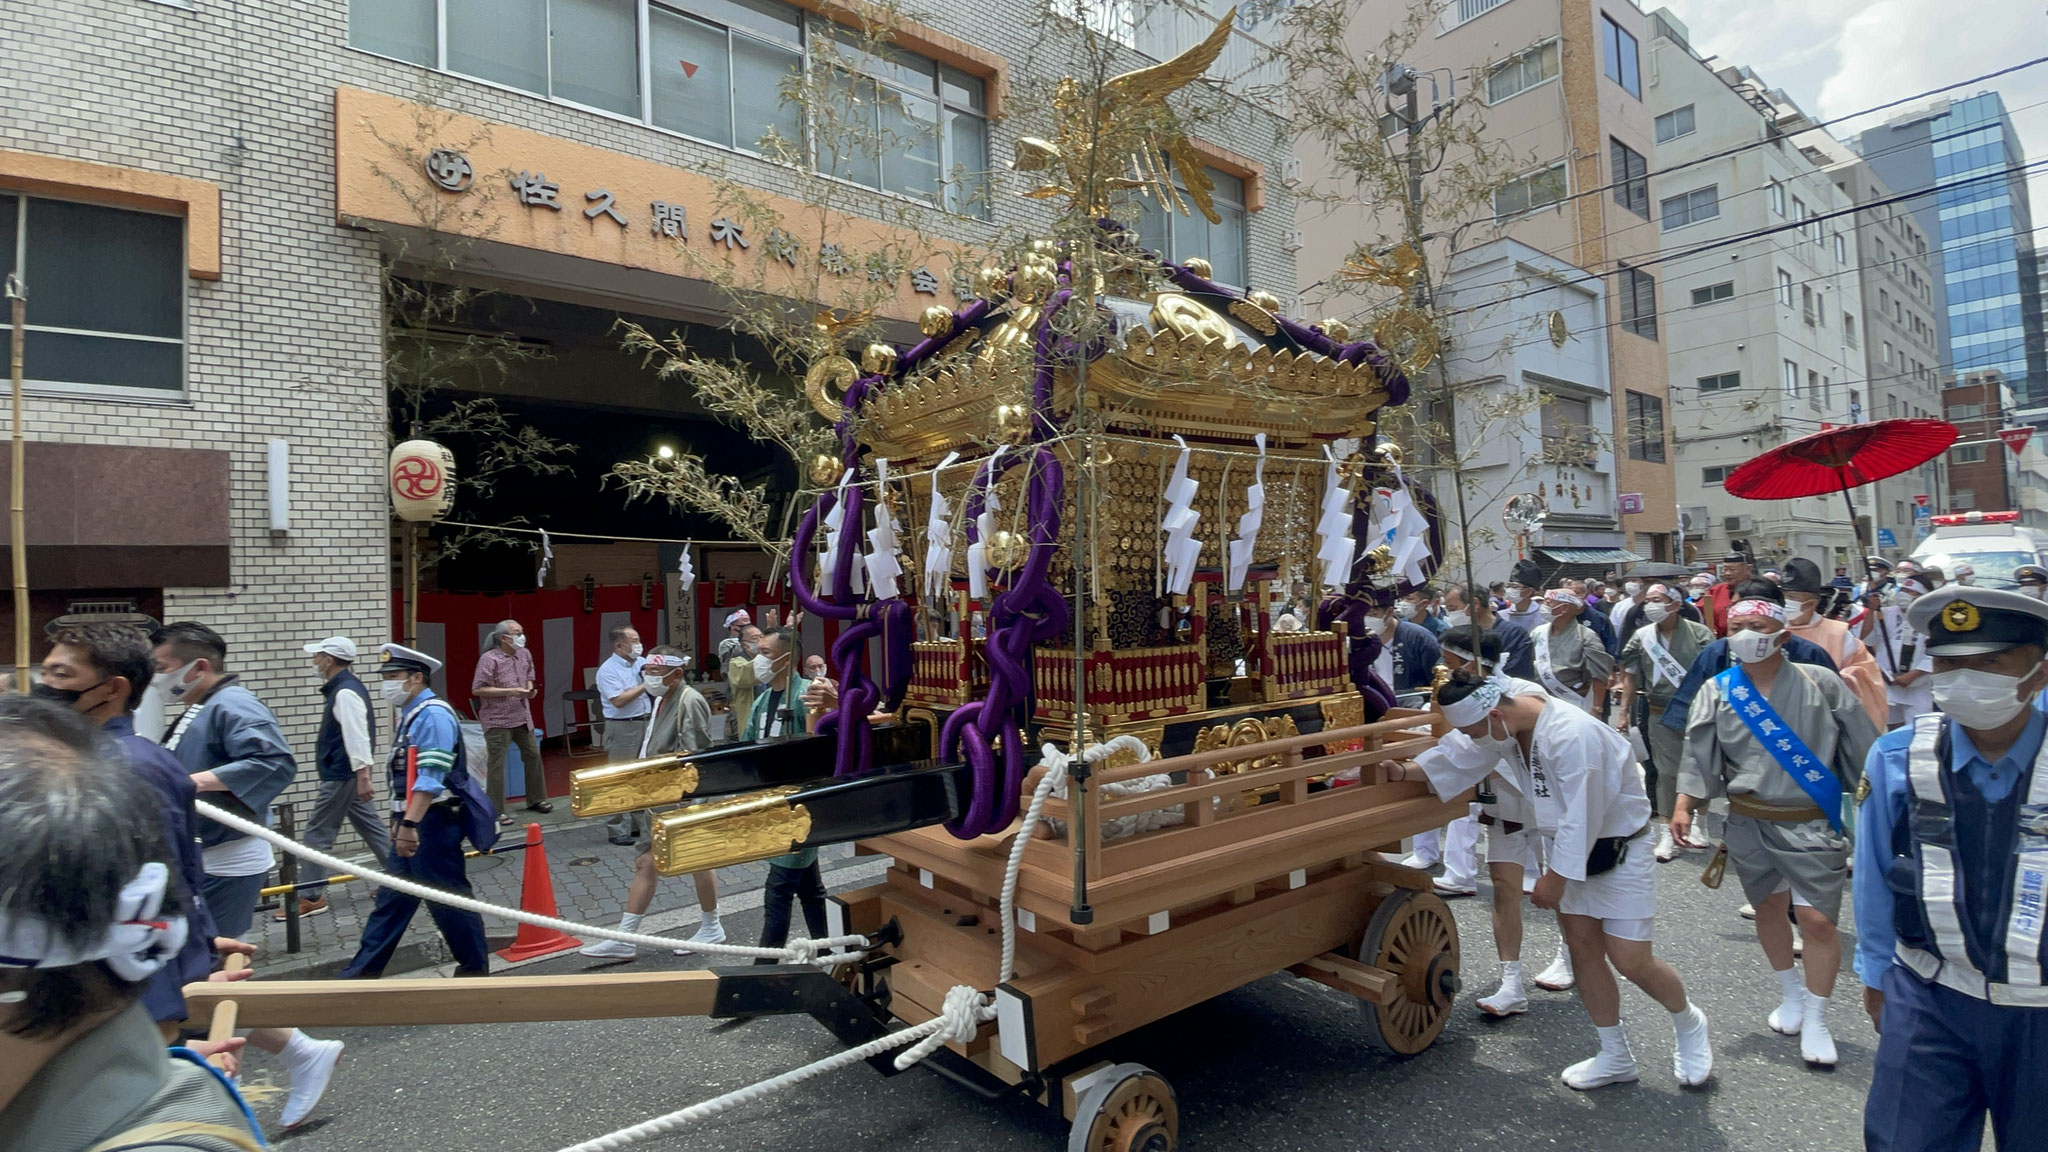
point(17, 534)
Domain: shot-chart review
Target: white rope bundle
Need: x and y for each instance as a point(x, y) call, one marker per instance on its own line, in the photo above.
point(800, 952)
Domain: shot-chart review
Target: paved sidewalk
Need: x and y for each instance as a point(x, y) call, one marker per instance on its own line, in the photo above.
point(590, 876)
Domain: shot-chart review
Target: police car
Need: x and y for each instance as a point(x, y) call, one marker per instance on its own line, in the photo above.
point(1991, 543)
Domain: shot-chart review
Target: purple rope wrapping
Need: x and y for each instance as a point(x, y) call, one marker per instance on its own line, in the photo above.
point(859, 695)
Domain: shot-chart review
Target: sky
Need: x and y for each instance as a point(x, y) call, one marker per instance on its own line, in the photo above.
point(1836, 57)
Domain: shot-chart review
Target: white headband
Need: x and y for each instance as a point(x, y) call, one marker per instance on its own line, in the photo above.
point(1472, 709)
point(664, 660)
point(1653, 589)
point(1564, 595)
point(135, 947)
point(1757, 608)
point(738, 616)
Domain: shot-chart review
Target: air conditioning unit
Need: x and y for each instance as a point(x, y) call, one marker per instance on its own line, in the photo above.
point(1293, 242)
point(1290, 171)
point(1738, 525)
point(1693, 520)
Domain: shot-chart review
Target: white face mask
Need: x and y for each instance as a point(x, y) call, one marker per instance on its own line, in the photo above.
point(1902, 598)
point(764, 668)
point(636, 651)
point(1520, 594)
point(1404, 609)
point(393, 690)
point(1655, 611)
point(1978, 699)
point(1633, 587)
point(2037, 591)
point(1750, 647)
point(173, 683)
point(519, 641)
point(1457, 619)
point(1802, 611)
point(655, 685)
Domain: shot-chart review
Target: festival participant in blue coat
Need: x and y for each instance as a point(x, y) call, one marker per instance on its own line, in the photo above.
point(1408, 652)
point(1951, 880)
point(435, 804)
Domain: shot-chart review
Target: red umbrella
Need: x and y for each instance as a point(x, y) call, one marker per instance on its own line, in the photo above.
point(1841, 458)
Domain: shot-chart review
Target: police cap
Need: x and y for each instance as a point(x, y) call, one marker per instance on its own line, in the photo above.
point(1960, 620)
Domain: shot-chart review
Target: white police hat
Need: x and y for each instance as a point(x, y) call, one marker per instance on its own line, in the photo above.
point(399, 658)
point(1964, 620)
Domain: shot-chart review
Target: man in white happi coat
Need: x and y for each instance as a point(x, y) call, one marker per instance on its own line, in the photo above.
point(1586, 796)
point(1571, 661)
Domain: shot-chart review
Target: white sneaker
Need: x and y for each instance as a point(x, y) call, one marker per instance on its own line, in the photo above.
point(310, 1075)
point(1559, 976)
point(1602, 1070)
point(610, 950)
point(1667, 848)
point(1816, 1044)
point(1415, 860)
point(1509, 1001)
point(1747, 911)
point(1692, 1053)
point(1449, 888)
point(709, 932)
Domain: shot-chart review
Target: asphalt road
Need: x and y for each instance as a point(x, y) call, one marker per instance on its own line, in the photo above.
point(1277, 1065)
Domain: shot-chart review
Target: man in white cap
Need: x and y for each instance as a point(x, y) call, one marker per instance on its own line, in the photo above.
point(1951, 869)
point(1586, 799)
point(342, 752)
point(435, 804)
point(736, 661)
point(1780, 740)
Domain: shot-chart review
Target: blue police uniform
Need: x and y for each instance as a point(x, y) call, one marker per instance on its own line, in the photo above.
point(1951, 876)
point(432, 728)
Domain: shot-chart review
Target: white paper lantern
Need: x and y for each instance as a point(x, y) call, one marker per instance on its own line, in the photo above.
point(422, 480)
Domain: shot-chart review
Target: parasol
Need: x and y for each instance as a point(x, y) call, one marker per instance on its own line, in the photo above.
point(1657, 570)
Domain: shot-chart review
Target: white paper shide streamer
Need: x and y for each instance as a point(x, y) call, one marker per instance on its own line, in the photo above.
point(686, 575)
point(547, 560)
point(984, 527)
point(835, 536)
point(880, 561)
point(1335, 547)
point(1182, 548)
point(938, 540)
point(1248, 524)
point(1400, 525)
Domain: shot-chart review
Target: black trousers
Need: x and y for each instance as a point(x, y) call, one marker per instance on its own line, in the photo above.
point(804, 884)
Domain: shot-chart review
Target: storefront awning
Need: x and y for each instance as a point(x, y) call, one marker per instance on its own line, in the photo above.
point(1589, 555)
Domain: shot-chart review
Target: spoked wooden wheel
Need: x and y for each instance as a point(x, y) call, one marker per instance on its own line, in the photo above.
point(1130, 1109)
point(1413, 936)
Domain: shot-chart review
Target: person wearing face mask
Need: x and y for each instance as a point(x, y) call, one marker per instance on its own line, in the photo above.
point(1652, 666)
point(342, 750)
point(504, 689)
point(1950, 873)
point(1631, 599)
point(1804, 593)
point(1715, 658)
point(1593, 613)
point(680, 722)
point(1418, 608)
point(1588, 807)
point(2032, 580)
point(1901, 652)
point(1518, 656)
point(779, 711)
point(435, 805)
point(626, 707)
point(1780, 741)
point(1408, 653)
point(1571, 662)
point(1735, 570)
point(1524, 611)
point(737, 655)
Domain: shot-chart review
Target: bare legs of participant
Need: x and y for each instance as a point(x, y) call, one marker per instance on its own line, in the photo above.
point(640, 895)
point(1507, 939)
point(1593, 950)
point(1803, 1012)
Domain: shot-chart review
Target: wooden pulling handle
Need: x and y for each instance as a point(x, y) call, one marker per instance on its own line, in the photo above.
point(223, 1025)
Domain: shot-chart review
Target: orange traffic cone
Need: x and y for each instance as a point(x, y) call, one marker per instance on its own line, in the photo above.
point(537, 895)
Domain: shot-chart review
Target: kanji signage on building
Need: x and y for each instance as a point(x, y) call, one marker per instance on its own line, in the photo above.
point(2016, 438)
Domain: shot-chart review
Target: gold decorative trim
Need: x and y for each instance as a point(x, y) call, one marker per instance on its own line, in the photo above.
point(1255, 316)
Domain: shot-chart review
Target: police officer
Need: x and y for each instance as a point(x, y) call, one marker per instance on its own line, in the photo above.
point(1951, 873)
point(434, 804)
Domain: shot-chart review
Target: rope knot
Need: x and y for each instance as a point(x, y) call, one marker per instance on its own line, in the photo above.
point(959, 1018)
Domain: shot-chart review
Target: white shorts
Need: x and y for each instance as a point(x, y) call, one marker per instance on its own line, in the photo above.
point(1623, 898)
point(1505, 847)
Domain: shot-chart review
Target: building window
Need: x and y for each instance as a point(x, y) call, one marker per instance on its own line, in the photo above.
point(1777, 198)
point(1521, 72)
point(1784, 288)
point(1799, 214)
point(1631, 178)
point(1179, 237)
point(1964, 412)
point(1841, 249)
point(1806, 303)
point(1887, 352)
point(1638, 294)
point(106, 301)
point(1620, 57)
point(1675, 123)
point(1791, 379)
point(1474, 9)
point(1713, 292)
point(1849, 329)
point(1725, 382)
point(1568, 433)
point(716, 72)
point(1645, 428)
point(1962, 499)
point(1813, 392)
point(1538, 189)
point(1715, 474)
point(1690, 208)
point(1884, 300)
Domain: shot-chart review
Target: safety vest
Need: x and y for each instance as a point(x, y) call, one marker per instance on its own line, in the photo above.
point(1969, 876)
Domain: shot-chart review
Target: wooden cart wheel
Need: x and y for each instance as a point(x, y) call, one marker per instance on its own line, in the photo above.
point(1413, 936)
point(1129, 1109)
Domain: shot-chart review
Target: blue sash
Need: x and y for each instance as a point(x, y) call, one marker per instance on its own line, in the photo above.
point(1814, 778)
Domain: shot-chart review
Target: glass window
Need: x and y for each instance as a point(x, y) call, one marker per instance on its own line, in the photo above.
point(909, 130)
point(1568, 432)
point(1528, 193)
point(1620, 56)
point(967, 191)
point(1630, 177)
point(1521, 72)
point(1713, 292)
point(1791, 378)
point(692, 76)
point(595, 53)
point(106, 293)
point(1784, 288)
point(504, 41)
point(1179, 237)
point(1690, 208)
point(1725, 382)
point(1675, 123)
point(1968, 454)
point(1638, 292)
point(1777, 198)
point(1715, 474)
point(1645, 428)
point(400, 29)
point(760, 70)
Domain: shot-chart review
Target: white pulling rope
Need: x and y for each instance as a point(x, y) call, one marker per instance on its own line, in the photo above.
point(800, 952)
point(1054, 780)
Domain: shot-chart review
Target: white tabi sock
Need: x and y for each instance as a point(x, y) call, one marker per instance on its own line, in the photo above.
point(629, 922)
point(1511, 975)
point(1785, 1018)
